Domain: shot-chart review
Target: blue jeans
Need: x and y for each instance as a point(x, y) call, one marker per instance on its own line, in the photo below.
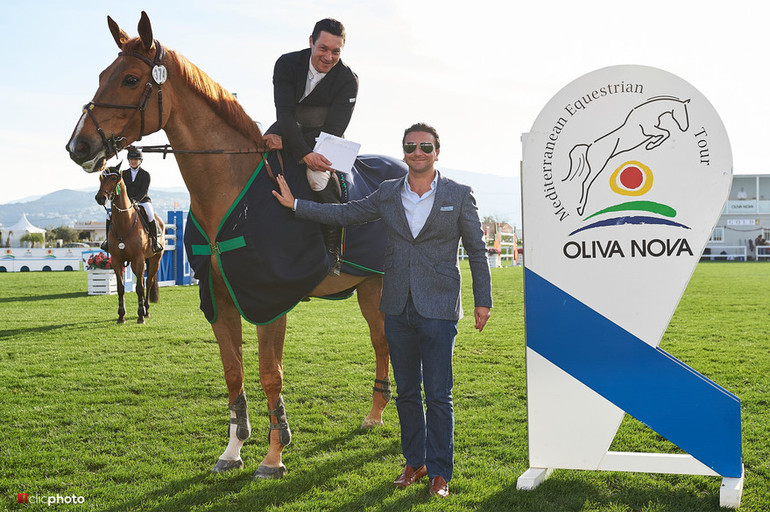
point(421, 353)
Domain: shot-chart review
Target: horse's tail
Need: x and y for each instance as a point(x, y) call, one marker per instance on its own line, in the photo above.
point(153, 295)
point(578, 160)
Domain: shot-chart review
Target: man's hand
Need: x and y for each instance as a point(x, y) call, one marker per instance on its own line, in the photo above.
point(480, 313)
point(273, 141)
point(317, 162)
point(284, 196)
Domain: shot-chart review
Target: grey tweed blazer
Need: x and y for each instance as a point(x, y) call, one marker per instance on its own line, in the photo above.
point(426, 266)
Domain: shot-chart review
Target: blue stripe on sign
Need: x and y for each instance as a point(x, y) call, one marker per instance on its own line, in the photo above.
point(677, 402)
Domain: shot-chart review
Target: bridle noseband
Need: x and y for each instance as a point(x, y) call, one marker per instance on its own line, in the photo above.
point(113, 144)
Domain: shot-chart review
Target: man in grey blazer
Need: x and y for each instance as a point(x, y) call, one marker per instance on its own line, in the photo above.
point(426, 215)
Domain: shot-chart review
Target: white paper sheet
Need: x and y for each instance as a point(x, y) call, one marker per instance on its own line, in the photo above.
point(340, 152)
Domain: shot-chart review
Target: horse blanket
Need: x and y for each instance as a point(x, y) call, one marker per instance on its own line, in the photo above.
point(271, 260)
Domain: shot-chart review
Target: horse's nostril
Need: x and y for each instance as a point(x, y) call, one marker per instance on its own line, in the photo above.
point(82, 148)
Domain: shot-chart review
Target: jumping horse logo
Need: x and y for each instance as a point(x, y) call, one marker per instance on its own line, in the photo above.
point(644, 125)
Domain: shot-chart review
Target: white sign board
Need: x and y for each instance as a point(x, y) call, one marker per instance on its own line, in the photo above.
point(625, 173)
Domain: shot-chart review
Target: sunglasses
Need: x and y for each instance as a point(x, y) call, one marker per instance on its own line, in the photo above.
point(426, 147)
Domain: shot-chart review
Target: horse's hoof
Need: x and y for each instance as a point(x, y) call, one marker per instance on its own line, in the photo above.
point(223, 465)
point(121, 321)
point(140, 320)
point(372, 423)
point(269, 473)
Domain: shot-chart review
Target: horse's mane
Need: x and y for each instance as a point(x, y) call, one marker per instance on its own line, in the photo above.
point(222, 101)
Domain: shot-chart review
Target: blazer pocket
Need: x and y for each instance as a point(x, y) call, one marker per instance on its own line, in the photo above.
point(448, 271)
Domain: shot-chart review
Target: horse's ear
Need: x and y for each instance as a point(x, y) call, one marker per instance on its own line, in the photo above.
point(118, 35)
point(145, 31)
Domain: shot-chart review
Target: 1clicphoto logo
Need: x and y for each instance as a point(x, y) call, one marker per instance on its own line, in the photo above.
point(53, 499)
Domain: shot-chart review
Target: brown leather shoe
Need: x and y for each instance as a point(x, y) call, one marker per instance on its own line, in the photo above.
point(439, 487)
point(409, 476)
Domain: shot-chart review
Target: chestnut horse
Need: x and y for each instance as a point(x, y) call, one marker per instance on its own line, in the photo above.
point(149, 88)
point(130, 243)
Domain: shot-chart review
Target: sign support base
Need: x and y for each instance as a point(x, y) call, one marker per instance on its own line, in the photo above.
point(731, 491)
point(533, 477)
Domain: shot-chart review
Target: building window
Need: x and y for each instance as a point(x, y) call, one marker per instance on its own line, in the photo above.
point(718, 235)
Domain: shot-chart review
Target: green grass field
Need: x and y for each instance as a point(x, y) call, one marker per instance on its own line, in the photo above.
point(133, 417)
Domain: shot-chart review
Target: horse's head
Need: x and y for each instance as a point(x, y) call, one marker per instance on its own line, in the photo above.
point(681, 116)
point(129, 102)
point(110, 184)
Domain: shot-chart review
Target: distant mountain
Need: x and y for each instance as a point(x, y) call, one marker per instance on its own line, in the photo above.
point(497, 196)
point(66, 207)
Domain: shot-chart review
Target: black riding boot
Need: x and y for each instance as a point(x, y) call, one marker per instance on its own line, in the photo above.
point(332, 234)
point(156, 247)
point(105, 245)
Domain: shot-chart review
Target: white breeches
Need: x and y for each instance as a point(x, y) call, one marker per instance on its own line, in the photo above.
point(148, 209)
point(318, 179)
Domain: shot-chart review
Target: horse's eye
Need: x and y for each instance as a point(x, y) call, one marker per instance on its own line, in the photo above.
point(130, 81)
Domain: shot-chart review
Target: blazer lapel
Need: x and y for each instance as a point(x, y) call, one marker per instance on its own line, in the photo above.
point(322, 87)
point(304, 65)
point(398, 205)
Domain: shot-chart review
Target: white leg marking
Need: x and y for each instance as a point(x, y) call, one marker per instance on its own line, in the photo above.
point(233, 450)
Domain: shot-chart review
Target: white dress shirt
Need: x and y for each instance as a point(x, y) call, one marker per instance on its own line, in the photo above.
point(416, 207)
point(313, 77)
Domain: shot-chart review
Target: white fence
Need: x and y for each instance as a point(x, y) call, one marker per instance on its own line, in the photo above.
point(21, 259)
point(724, 252)
point(763, 252)
point(505, 258)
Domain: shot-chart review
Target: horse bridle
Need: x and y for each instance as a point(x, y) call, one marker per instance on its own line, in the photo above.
point(113, 144)
point(111, 197)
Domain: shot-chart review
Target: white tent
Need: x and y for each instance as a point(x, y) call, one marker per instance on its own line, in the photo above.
point(14, 233)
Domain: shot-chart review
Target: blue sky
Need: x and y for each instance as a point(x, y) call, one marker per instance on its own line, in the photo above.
point(478, 71)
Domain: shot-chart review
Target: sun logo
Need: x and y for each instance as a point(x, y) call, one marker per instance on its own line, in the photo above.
point(631, 179)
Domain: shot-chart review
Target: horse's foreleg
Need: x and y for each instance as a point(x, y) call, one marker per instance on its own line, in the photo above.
point(137, 267)
point(271, 338)
point(121, 292)
point(368, 293)
point(227, 330)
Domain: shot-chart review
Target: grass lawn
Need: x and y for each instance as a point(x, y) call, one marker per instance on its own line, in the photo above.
point(133, 417)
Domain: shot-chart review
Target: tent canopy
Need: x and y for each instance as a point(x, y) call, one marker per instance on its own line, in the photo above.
point(24, 226)
point(14, 233)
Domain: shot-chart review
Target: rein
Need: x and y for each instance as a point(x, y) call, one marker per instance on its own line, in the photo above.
point(165, 149)
point(121, 242)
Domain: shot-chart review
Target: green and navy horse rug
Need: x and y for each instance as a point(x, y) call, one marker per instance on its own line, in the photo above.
point(271, 260)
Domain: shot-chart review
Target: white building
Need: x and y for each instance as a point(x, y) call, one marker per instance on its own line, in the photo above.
point(746, 216)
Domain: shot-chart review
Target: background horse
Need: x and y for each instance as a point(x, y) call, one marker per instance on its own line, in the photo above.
point(166, 91)
point(129, 242)
point(643, 126)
